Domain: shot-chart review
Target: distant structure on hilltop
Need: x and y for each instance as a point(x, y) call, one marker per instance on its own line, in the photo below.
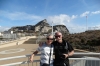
point(41, 26)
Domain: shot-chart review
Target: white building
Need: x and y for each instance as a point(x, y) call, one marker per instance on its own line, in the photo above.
point(0, 34)
point(9, 36)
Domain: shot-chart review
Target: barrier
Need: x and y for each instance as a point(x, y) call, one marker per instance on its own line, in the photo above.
point(85, 60)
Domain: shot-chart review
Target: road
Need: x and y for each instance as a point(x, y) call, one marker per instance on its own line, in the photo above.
point(28, 47)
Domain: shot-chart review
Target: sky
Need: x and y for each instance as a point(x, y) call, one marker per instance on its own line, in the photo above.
point(77, 15)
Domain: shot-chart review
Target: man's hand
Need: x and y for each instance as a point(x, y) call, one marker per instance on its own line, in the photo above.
point(66, 55)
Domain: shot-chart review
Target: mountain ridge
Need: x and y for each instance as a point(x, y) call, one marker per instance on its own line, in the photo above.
point(41, 26)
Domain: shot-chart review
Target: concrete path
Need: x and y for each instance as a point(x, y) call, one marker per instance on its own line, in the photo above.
point(26, 48)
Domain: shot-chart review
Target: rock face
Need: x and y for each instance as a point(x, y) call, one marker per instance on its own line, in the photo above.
point(61, 28)
point(41, 26)
point(22, 28)
point(42, 23)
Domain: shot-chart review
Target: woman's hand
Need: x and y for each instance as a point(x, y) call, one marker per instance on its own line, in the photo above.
point(31, 58)
point(40, 44)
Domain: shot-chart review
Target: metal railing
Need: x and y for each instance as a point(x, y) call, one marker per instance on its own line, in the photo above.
point(85, 59)
point(18, 63)
point(80, 59)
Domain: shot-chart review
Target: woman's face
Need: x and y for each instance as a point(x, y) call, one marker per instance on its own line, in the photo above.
point(50, 39)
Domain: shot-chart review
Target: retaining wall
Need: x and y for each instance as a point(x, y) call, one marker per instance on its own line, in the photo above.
point(16, 42)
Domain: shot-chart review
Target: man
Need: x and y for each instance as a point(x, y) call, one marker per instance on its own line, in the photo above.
point(46, 52)
point(62, 50)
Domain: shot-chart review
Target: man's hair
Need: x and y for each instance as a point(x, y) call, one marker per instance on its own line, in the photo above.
point(58, 32)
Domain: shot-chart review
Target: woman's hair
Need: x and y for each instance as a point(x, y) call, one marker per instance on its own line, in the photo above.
point(49, 35)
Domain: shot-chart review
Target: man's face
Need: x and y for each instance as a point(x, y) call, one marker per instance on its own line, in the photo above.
point(58, 36)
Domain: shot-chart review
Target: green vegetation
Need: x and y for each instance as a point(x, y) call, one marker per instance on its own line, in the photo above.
point(89, 40)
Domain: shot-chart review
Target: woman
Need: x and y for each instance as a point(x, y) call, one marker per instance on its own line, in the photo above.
point(46, 52)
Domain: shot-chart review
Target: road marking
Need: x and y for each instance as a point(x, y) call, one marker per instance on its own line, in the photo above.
point(12, 51)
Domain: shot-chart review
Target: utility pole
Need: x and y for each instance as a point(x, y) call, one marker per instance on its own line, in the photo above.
point(52, 27)
point(86, 23)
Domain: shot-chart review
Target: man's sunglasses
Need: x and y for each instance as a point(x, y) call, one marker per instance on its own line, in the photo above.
point(49, 38)
point(57, 36)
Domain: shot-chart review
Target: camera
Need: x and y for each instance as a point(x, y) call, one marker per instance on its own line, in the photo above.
point(62, 56)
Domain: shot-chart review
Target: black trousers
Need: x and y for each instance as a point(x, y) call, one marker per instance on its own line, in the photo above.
point(43, 64)
point(61, 62)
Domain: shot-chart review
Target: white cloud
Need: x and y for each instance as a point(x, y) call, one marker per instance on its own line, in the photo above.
point(74, 16)
point(84, 14)
point(19, 16)
point(95, 12)
point(3, 28)
point(66, 20)
point(75, 28)
point(97, 27)
point(22, 16)
point(89, 13)
point(61, 19)
point(94, 28)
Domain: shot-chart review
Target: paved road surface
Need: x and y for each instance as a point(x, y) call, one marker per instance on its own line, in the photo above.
point(28, 46)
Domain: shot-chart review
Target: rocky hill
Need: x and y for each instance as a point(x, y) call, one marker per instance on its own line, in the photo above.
point(41, 26)
point(61, 28)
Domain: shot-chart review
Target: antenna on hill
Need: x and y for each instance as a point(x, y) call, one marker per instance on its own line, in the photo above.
point(52, 27)
point(86, 23)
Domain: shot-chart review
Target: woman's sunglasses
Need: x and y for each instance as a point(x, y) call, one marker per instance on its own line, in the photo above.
point(49, 38)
